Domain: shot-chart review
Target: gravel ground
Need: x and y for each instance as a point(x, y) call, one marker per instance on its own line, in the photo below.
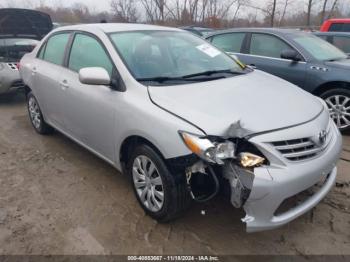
point(57, 198)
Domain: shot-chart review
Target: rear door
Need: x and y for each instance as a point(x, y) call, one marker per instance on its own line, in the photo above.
point(89, 109)
point(264, 53)
point(46, 70)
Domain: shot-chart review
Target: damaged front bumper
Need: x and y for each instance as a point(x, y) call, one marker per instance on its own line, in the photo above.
point(284, 179)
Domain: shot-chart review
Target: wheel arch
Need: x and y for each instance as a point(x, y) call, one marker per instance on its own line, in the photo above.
point(330, 85)
point(131, 143)
point(27, 90)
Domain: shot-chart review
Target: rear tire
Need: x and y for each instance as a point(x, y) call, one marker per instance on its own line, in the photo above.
point(36, 116)
point(338, 102)
point(162, 195)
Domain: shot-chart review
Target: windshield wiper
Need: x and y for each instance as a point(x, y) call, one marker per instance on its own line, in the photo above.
point(212, 72)
point(162, 79)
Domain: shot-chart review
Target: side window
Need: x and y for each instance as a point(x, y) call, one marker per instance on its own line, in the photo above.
point(229, 42)
point(346, 27)
point(342, 42)
point(336, 27)
point(42, 52)
point(88, 52)
point(267, 45)
point(55, 48)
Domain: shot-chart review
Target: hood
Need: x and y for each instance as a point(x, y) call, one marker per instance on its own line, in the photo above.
point(342, 64)
point(255, 102)
point(24, 23)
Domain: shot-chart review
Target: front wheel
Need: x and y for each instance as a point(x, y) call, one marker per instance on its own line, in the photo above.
point(36, 116)
point(338, 102)
point(162, 195)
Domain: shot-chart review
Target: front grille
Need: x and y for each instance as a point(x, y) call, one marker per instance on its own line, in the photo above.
point(303, 148)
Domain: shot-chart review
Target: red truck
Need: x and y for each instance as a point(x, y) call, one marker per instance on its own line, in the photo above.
point(336, 25)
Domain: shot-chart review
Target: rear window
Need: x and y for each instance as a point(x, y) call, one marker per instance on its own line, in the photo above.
point(13, 49)
point(340, 27)
point(55, 48)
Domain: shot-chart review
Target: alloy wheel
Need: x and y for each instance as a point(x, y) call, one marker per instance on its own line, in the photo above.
point(34, 112)
point(339, 109)
point(148, 183)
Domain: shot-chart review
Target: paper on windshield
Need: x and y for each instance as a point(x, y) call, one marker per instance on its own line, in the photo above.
point(208, 50)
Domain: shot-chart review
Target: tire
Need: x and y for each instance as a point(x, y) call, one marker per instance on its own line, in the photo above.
point(338, 102)
point(36, 117)
point(176, 198)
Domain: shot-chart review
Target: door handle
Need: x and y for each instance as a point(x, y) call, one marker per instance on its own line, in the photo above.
point(34, 70)
point(64, 84)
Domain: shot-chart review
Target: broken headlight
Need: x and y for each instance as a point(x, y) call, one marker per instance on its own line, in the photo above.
point(250, 160)
point(211, 152)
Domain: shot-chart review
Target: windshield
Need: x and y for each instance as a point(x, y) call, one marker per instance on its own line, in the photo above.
point(320, 49)
point(165, 54)
point(12, 49)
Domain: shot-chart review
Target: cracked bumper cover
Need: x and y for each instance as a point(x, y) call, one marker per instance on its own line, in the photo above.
point(273, 184)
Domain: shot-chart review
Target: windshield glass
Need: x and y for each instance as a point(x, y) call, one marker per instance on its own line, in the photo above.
point(165, 54)
point(13, 49)
point(320, 49)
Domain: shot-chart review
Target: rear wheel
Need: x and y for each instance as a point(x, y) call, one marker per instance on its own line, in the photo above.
point(36, 116)
point(162, 195)
point(338, 102)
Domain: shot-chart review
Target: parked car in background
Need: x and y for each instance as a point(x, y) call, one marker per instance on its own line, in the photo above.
point(298, 57)
point(338, 39)
point(200, 31)
point(20, 32)
point(336, 25)
point(183, 120)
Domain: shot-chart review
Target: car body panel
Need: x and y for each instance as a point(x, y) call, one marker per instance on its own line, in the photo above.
point(327, 25)
point(190, 102)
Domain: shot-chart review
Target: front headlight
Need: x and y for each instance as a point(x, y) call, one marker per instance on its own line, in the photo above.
point(211, 152)
point(250, 160)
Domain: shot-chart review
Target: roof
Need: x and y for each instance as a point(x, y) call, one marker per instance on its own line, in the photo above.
point(338, 20)
point(259, 30)
point(332, 33)
point(117, 27)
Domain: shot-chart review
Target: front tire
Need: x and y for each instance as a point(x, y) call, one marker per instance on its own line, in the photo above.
point(162, 195)
point(36, 116)
point(338, 102)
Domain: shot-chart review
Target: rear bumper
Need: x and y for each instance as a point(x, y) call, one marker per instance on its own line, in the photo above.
point(276, 183)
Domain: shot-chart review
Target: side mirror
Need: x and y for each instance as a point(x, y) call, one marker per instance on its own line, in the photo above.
point(290, 55)
point(94, 76)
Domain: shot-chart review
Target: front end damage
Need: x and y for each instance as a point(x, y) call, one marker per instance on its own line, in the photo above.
point(260, 178)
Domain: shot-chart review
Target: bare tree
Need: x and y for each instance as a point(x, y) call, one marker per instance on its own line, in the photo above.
point(323, 12)
point(124, 11)
point(285, 6)
point(310, 4)
point(239, 5)
point(332, 8)
point(273, 13)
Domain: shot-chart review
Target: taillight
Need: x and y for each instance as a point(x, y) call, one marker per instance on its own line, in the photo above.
point(18, 65)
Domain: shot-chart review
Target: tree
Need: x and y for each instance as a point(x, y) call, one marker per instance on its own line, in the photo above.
point(285, 6)
point(310, 3)
point(323, 12)
point(124, 11)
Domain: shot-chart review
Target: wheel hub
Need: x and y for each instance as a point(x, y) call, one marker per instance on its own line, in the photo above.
point(339, 109)
point(148, 183)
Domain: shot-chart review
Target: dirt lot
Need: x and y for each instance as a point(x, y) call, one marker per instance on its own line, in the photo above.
point(57, 198)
